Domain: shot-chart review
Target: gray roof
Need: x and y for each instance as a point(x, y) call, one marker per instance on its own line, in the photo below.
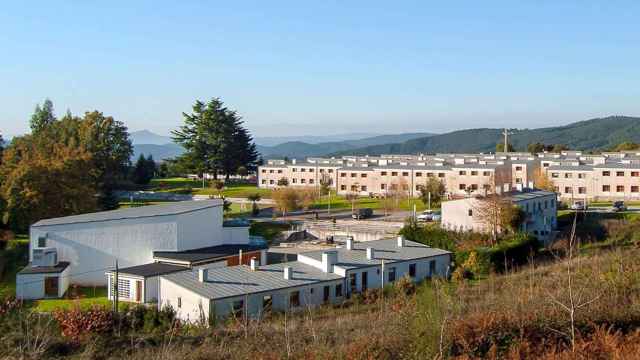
point(56, 269)
point(151, 269)
point(528, 195)
point(174, 208)
point(617, 166)
point(239, 280)
point(386, 249)
point(207, 253)
point(570, 167)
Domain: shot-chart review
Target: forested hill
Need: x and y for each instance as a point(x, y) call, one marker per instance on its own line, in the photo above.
point(594, 134)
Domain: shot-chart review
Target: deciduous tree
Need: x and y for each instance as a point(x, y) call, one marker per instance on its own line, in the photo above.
point(436, 188)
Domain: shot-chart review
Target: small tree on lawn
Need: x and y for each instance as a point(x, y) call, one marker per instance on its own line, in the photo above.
point(254, 198)
point(435, 189)
point(325, 184)
point(286, 199)
point(243, 172)
point(217, 185)
point(308, 197)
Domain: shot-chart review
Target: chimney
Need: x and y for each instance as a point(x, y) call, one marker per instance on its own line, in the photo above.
point(370, 253)
point(400, 241)
point(203, 274)
point(288, 273)
point(329, 258)
point(240, 257)
point(254, 264)
point(350, 243)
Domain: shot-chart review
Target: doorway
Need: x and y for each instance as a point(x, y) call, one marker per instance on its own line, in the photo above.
point(51, 286)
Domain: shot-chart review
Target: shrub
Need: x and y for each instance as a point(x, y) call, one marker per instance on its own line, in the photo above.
point(76, 324)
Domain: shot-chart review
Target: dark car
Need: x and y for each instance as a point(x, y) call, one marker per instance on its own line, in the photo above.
point(362, 213)
point(618, 206)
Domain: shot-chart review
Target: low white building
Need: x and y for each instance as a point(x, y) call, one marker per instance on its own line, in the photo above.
point(146, 242)
point(318, 277)
point(539, 208)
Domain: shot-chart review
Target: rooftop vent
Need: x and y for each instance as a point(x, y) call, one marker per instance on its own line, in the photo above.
point(400, 241)
point(329, 258)
point(350, 243)
point(46, 256)
point(254, 264)
point(288, 273)
point(370, 253)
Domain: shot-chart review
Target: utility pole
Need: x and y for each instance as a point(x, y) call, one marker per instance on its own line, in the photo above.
point(116, 290)
point(506, 134)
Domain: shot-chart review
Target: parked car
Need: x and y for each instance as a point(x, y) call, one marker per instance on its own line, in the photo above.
point(579, 205)
point(618, 206)
point(429, 215)
point(362, 213)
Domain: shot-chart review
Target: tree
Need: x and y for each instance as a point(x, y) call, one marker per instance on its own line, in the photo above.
point(143, 170)
point(283, 181)
point(542, 181)
point(242, 171)
point(286, 199)
point(215, 140)
point(436, 188)
point(496, 213)
point(308, 197)
point(325, 184)
point(559, 148)
point(352, 196)
point(535, 148)
point(42, 116)
point(254, 198)
point(500, 147)
point(626, 146)
point(217, 185)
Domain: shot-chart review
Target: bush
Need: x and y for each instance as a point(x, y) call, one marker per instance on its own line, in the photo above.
point(76, 324)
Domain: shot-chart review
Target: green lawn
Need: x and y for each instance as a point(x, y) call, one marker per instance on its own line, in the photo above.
point(87, 297)
point(268, 230)
point(13, 258)
point(340, 203)
point(184, 185)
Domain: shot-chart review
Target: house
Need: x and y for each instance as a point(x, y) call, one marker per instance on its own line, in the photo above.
point(146, 242)
point(539, 208)
point(316, 278)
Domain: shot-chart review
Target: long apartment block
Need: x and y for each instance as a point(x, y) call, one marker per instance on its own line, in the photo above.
point(575, 175)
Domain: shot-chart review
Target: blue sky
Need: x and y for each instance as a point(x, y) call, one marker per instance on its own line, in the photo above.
point(324, 67)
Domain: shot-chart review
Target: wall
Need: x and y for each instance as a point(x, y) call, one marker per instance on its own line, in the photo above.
point(455, 215)
point(31, 286)
point(193, 306)
point(235, 234)
point(200, 228)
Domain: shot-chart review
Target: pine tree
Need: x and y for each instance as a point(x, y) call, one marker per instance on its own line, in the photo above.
point(42, 116)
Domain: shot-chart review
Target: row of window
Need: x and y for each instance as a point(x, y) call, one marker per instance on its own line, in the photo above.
point(605, 188)
point(569, 175)
point(474, 173)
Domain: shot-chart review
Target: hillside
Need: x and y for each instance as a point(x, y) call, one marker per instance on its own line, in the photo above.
point(594, 134)
point(303, 149)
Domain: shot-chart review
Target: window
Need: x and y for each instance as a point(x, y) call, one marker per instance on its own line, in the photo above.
point(338, 290)
point(294, 180)
point(582, 176)
point(279, 171)
point(267, 303)
point(606, 173)
point(462, 186)
point(272, 182)
point(294, 299)
point(567, 190)
point(394, 173)
point(429, 174)
point(462, 172)
point(302, 181)
point(303, 169)
point(124, 288)
point(606, 188)
point(42, 241)
point(518, 181)
point(294, 169)
point(179, 302)
point(354, 187)
point(418, 174)
point(321, 170)
point(353, 282)
point(310, 181)
point(582, 190)
point(365, 281)
point(343, 187)
point(635, 174)
point(405, 173)
point(330, 171)
point(270, 171)
point(392, 274)
point(326, 293)
point(343, 174)
point(383, 173)
point(354, 174)
point(546, 204)
point(470, 212)
point(518, 168)
point(264, 171)
point(474, 173)
point(311, 170)
point(383, 186)
point(568, 175)
point(486, 173)
point(363, 175)
point(440, 175)
point(363, 188)
point(237, 308)
point(412, 270)
point(474, 187)
point(620, 188)
point(554, 175)
point(619, 173)
point(264, 181)
point(634, 188)
point(311, 290)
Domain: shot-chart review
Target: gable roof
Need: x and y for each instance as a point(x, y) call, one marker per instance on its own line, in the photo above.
point(386, 249)
point(174, 208)
point(240, 280)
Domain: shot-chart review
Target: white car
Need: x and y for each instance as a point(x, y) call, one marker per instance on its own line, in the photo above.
point(578, 205)
point(429, 215)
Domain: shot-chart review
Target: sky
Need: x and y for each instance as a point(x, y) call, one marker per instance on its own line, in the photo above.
point(323, 67)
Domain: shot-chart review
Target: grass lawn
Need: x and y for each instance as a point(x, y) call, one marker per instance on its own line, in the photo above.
point(13, 258)
point(268, 230)
point(184, 185)
point(128, 204)
point(340, 203)
point(87, 297)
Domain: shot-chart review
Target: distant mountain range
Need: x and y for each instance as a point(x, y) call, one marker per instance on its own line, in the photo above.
point(594, 134)
point(310, 139)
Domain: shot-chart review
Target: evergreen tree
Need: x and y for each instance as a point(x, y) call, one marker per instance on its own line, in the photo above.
point(42, 116)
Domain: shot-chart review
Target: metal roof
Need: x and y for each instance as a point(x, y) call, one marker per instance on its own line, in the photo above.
point(528, 195)
point(206, 253)
point(174, 208)
point(239, 280)
point(386, 249)
point(148, 270)
point(58, 268)
point(570, 167)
